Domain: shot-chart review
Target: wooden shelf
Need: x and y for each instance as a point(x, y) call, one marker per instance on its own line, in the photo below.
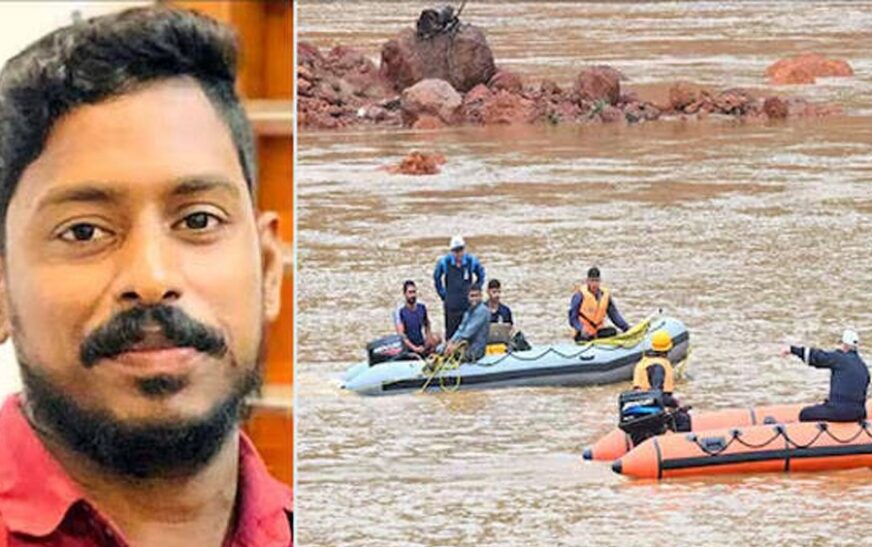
point(271, 117)
point(279, 397)
point(288, 258)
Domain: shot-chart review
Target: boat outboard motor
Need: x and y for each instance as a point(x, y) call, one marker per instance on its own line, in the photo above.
point(436, 21)
point(643, 415)
point(387, 348)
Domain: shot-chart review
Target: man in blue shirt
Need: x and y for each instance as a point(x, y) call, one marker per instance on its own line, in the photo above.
point(849, 380)
point(413, 324)
point(500, 313)
point(452, 277)
point(473, 328)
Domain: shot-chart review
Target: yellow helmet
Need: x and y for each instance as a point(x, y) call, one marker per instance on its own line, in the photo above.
point(661, 341)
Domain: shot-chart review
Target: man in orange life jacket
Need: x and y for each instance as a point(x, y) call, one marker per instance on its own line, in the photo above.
point(588, 309)
point(849, 380)
point(654, 372)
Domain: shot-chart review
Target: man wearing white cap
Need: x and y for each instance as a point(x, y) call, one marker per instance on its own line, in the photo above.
point(455, 272)
point(849, 379)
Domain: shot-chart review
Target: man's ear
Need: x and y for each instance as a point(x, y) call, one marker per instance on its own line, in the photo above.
point(272, 261)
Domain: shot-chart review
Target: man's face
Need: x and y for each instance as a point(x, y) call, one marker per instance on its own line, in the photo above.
point(494, 294)
point(411, 295)
point(140, 201)
point(458, 253)
point(593, 284)
point(474, 298)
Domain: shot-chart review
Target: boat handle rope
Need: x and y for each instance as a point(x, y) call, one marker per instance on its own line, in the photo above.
point(779, 431)
point(608, 344)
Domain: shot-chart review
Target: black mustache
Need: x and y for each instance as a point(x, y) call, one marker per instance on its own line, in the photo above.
point(127, 329)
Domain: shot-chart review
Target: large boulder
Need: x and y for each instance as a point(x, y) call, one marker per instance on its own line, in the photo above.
point(803, 69)
point(431, 97)
point(462, 58)
point(599, 83)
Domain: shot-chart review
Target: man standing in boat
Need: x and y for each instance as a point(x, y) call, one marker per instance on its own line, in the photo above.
point(455, 273)
point(473, 329)
point(849, 380)
point(413, 323)
point(589, 307)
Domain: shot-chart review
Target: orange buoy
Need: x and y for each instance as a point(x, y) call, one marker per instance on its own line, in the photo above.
point(617, 443)
point(783, 447)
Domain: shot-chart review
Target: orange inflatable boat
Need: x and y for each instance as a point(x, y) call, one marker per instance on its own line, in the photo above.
point(617, 443)
point(798, 446)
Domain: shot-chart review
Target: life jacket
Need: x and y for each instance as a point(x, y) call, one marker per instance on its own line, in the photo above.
point(592, 313)
point(640, 374)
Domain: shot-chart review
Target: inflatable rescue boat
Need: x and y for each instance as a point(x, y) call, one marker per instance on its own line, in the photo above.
point(568, 364)
point(754, 440)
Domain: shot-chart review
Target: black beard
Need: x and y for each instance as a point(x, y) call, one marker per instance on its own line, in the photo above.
point(411, 301)
point(140, 450)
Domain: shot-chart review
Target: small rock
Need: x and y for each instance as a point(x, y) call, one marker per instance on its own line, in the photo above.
point(427, 122)
point(611, 114)
point(600, 83)
point(775, 108)
point(506, 81)
point(417, 163)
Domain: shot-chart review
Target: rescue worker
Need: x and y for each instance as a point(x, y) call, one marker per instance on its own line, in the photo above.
point(455, 272)
point(588, 309)
point(473, 329)
point(654, 372)
point(413, 323)
point(849, 380)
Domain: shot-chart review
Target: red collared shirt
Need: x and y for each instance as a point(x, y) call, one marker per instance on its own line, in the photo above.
point(40, 505)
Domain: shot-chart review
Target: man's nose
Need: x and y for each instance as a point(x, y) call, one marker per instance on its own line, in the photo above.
point(150, 270)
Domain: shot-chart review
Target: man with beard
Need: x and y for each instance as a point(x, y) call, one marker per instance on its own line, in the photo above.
point(413, 323)
point(137, 281)
point(473, 328)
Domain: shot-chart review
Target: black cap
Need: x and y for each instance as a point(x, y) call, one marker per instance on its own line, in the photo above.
point(593, 273)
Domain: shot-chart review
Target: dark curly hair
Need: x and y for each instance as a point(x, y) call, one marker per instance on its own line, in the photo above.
point(96, 59)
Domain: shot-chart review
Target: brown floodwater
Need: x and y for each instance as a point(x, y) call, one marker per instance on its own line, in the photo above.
point(754, 235)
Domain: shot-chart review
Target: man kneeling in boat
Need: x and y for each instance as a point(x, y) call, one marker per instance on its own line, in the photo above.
point(473, 329)
point(588, 309)
point(849, 380)
point(654, 372)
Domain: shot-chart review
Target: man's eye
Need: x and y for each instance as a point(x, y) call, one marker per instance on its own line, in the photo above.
point(200, 221)
point(83, 232)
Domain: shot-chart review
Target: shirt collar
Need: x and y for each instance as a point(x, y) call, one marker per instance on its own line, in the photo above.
point(35, 491)
point(264, 503)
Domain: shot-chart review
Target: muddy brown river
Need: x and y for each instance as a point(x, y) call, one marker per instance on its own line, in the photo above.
point(754, 235)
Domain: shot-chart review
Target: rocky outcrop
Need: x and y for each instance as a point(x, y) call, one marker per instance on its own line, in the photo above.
point(805, 68)
point(339, 89)
point(461, 58)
